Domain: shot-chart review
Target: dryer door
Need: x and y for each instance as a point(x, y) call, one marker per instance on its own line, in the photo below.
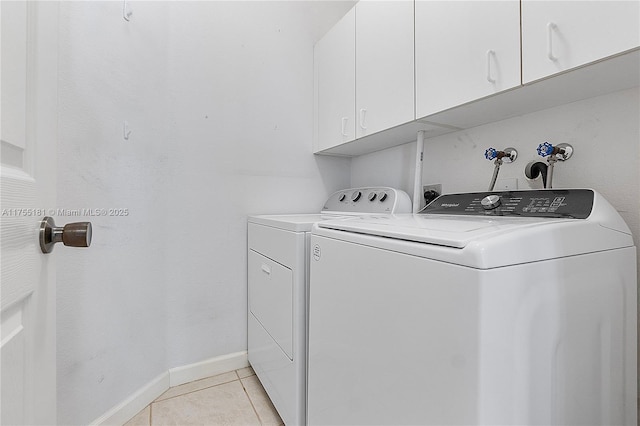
point(271, 299)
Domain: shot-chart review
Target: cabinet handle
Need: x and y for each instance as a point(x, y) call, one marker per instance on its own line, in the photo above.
point(490, 54)
point(344, 126)
point(363, 113)
point(266, 269)
point(551, 27)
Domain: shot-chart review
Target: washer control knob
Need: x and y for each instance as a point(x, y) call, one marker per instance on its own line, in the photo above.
point(342, 197)
point(356, 196)
point(490, 202)
point(372, 196)
point(382, 196)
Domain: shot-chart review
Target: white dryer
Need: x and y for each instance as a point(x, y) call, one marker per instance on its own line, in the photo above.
point(506, 308)
point(278, 273)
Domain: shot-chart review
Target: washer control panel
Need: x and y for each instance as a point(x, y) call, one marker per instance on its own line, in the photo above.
point(572, 203)
point(368, 200)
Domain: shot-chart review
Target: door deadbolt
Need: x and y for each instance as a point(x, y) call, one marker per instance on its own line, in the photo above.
point(76, 234)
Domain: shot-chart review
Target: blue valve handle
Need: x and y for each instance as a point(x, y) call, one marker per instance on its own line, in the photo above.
point(545, 149)
point(490, 154)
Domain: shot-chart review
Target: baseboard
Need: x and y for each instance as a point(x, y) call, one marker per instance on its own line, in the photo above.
point(123, 412)
point(207, 368)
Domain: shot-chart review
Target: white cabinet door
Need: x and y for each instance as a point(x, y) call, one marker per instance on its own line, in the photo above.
point(29, 32)
point(559, 35)
point(384, 65)
point(465, 50)
point(334, 57)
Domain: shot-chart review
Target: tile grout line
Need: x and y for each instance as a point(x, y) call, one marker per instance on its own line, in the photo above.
point(248, 397)
point(207, 387)
point(193, 391)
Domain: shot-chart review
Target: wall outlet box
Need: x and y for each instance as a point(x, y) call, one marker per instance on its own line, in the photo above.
point(510, 184)
point(428, 195)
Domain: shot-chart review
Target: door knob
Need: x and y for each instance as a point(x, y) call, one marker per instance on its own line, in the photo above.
point(76, 234)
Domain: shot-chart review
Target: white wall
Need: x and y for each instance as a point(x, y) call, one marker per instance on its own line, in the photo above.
point(604, 131)
point(218, 97)
point(110, 309)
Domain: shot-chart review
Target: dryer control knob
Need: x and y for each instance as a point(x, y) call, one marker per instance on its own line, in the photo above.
point(490, 202)
point(356, 195)
point(372, 196)
point(382, 196)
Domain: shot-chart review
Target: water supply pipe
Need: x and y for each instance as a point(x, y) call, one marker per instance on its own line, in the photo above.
point(417, 181)
point(560, 152)
point(509, 155)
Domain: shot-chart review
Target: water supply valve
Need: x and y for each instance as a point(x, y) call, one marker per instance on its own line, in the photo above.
point(561, 152)
point(490, 153)
point(509, 155)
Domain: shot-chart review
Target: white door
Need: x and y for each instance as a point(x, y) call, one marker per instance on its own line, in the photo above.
point(560, 35)
point(465, 50)
point(27, 184)
point(334, 57)
point(384, 65)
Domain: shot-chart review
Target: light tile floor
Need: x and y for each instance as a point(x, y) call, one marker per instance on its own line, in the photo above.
point(234, 398)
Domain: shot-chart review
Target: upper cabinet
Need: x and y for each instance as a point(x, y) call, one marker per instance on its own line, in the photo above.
point(560, 35)
point(391, 68)
point(335, 74)
point(465, 50)
point(364, 71)
point(384, 65)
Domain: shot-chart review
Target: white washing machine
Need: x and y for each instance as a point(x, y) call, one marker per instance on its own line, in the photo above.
point(512, 308)
point(278, 273)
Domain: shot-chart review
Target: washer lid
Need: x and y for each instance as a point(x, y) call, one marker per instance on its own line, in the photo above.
point(449, 231)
